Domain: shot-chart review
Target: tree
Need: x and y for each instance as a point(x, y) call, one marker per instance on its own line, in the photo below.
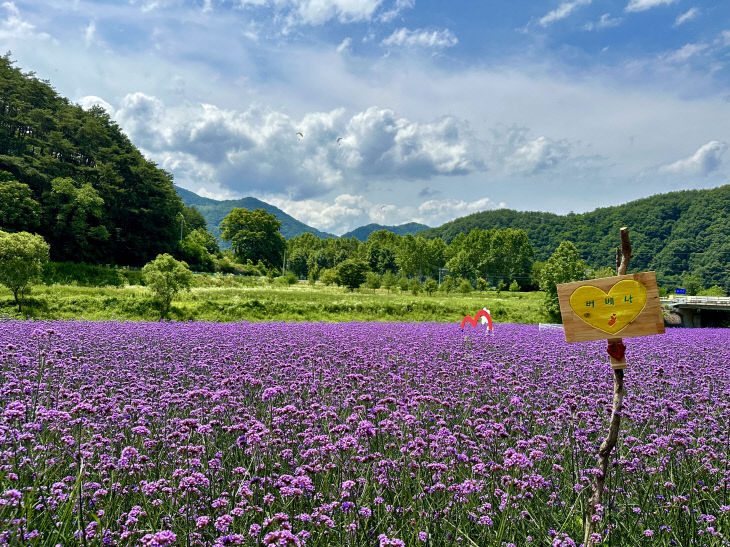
point(22, 256)
point(372, 281)
point(415, 286)
point(77, 211)
point(430, 286)
point(254, 235)
point(388, 280)
point(192, 220)
point(563, 266)
point(18, 210)
point(514, 286)
point(351, 273)
point(166, 277)
point(691, 283)
point(482, 284)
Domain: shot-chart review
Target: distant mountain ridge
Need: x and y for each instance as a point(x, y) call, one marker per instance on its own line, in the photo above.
point(214, 211)
point(363, 232)
point(672, 233)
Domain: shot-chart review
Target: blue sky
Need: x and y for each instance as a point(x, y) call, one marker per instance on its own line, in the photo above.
point(410, 110)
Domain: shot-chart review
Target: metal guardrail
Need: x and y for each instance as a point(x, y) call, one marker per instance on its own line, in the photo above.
point(706, 300)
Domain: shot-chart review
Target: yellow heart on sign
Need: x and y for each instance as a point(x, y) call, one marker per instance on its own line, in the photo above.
point(609, 312)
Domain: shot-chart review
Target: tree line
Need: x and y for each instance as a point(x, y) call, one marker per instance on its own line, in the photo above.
point(684, 236)
point(73, 177)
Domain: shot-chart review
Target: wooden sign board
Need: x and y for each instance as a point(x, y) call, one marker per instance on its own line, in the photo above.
point(612, 307)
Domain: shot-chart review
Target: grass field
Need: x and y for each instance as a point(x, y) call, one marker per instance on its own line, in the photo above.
point(262, 301)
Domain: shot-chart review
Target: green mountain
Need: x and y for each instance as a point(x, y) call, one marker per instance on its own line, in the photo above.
point(214, 211)
point(72, 176)
point(673, 233)
point(363, 232)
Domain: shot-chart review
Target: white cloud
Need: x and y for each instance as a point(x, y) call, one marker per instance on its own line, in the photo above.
point(688, 15)
point(562, 11)
point(344, 45)
point(421, 38)
point(686, 52)
point(517, 154)
point(348, 211)
point(705, 161)
point(12, 26)
point(318, 12)
point(606, 21)
point(259, 149)
point(90, 100)
point(90, 34)
point(400, 5)
point(643, 5)
point(435, 212)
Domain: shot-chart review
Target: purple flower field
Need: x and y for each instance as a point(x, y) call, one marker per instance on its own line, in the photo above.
point(355, 434)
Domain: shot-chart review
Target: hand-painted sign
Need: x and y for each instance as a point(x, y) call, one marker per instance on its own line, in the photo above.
point(611, 307)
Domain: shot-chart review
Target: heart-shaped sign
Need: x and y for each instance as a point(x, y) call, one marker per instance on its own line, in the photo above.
point(609, 312)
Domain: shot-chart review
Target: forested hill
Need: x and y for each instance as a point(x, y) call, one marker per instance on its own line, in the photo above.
point(214, 211)
point(74, 177)
point(687, 231)
point(363, 232)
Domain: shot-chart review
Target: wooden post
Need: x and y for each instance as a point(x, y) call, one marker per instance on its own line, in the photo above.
point(604, 452)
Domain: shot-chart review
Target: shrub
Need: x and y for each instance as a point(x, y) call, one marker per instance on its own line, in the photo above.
point(86, 275)
point(328, 277)
point(482, 284)
point(388, 280)
point(372, 281)
point(415, 286)
point(715, 290)
point(289, 278)
point(403, 283)
point(430, 286)
point(514, 286)
point(447, 285)
point(464, 286)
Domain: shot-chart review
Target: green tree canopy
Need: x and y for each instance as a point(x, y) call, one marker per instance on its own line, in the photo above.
point(563, 266)
point(166, 277)
point(22, 256)
point(254, 235)
point(352, 273)
point(18, 210)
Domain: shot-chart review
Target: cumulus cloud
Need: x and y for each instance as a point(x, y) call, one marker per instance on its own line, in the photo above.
point(91, 100)
point(517, 153)
point(348, 211)
point(705, 161)
point(562, 11)
point(260, 149)
point(688, 15)
point(643, 5)
point(404, 37)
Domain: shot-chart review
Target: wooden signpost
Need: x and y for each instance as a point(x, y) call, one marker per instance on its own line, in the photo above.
point(611, 308)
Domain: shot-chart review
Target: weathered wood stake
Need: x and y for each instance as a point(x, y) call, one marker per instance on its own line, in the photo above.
point(604, 452)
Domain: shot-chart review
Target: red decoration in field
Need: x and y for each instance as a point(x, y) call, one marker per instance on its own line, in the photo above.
point(616, 350)
point(473, 320)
